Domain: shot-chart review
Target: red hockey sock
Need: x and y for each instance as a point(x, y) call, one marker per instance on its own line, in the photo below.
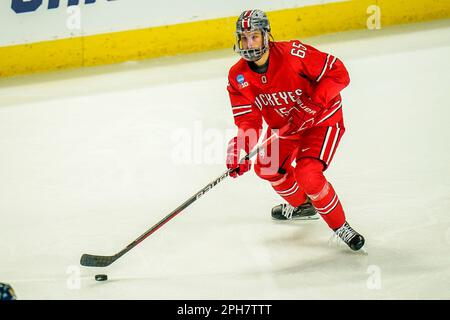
point(288, 188)
point(328, 206)
point(309, 173)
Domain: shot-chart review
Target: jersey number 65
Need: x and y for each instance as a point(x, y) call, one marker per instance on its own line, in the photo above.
point(298, 50)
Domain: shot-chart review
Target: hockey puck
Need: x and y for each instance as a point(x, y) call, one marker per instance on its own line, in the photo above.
point(101, 277)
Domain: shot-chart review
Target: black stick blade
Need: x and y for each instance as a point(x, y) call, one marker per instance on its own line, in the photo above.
point(89, 260)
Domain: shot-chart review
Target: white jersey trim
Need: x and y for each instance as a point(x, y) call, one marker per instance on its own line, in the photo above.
point(324, 68)
point(241, 113)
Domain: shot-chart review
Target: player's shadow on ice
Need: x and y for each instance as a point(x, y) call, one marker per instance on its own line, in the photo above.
point(306, 251)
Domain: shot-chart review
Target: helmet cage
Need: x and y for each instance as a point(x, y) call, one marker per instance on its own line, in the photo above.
point(252, 54)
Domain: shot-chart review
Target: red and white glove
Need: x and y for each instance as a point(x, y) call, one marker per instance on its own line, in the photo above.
point(304, 115)
point(233, 156)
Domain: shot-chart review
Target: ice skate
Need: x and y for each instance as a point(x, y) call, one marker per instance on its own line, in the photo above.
point(285, 211)
point(352, 238)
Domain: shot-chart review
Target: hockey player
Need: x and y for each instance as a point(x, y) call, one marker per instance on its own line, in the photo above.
point(7, 292)
point(295, 88)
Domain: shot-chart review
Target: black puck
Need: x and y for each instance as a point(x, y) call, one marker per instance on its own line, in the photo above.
point(101, 277)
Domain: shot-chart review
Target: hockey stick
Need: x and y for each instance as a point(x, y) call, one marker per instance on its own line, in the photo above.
point(90, 260)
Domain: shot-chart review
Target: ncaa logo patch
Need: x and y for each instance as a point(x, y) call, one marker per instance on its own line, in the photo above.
point(240, 78)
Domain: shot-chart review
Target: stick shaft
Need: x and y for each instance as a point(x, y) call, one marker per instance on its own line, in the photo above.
point(192, 199)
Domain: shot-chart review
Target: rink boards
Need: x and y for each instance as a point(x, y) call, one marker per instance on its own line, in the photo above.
point(79, 48)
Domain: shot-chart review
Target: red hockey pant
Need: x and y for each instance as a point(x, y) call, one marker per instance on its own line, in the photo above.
point(313, 151)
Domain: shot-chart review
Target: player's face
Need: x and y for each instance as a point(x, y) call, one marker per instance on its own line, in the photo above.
point(251, 40)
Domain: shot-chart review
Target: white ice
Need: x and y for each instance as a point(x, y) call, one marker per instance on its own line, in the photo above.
point(90, 159)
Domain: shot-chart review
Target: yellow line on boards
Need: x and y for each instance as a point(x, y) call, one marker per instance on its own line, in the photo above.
point(209, 34)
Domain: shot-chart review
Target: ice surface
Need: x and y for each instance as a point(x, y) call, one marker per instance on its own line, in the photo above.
point(89, 161)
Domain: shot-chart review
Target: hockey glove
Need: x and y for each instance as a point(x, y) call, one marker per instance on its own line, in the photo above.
point(305, 113)
point(233, 156)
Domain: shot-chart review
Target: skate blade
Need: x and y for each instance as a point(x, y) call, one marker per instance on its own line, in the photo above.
point(306, 218)
point(338, 243)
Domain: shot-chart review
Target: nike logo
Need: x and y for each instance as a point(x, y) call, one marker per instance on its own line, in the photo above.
point(303, 150)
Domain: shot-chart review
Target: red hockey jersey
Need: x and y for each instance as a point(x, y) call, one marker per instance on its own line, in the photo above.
point(294, 68)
